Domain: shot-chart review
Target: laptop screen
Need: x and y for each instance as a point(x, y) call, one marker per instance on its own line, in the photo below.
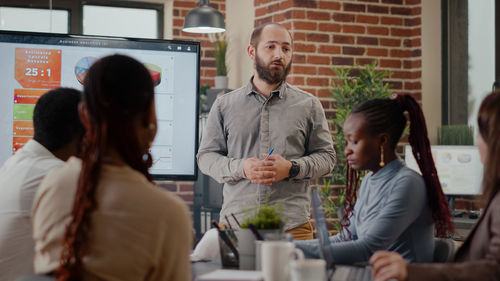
point(321, 228)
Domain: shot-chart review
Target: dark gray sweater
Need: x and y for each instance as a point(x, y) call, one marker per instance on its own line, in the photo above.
point(391, 213)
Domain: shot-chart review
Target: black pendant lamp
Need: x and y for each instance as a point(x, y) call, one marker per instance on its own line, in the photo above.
point(204, 19)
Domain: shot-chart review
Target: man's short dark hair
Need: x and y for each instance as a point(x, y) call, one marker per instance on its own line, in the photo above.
point(55, 118)
point(255, 38)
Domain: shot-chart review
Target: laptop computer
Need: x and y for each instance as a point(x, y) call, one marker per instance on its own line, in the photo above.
point(339, 272)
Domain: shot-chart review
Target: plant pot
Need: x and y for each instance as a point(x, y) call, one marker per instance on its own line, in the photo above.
point(220, 82)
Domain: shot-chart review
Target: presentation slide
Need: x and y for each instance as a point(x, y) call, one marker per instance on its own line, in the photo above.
point(29, 69)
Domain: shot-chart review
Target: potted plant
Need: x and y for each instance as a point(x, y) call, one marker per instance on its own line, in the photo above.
point(267, 217)
point(269, 223)
point(456, 135)
point(333, 205)
point(350, 87)
point(220, 48)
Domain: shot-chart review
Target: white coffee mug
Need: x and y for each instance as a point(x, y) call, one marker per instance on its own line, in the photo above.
point(258, 255)
point(310, 270)
point(276, 257)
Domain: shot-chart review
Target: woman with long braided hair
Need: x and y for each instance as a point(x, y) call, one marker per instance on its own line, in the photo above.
point(101, 217)
point(479, 257)
point(396, 209)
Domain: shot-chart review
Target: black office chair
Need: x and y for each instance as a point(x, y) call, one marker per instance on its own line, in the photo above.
point(444, 250)
point(36, 278)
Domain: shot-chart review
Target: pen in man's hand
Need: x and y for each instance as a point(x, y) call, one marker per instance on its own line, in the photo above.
point(269, 154)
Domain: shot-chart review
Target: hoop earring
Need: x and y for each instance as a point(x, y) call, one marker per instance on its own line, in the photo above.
point(148, 159)
point(382, 163)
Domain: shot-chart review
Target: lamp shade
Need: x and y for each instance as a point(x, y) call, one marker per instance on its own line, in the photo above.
point(204, 19)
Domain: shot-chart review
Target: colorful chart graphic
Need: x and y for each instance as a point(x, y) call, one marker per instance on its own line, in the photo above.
point(82, 66)
point(38, 68)
point(27, 96)
point(24, 104)
point(23, 111)
point(155, 72)
point(464, 158)
point(19, 142)
point(23, 128)
point(446, 157)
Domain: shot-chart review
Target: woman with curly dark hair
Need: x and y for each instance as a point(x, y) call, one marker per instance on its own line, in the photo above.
point(479, 256)
point(101, 217)
point(396, 208)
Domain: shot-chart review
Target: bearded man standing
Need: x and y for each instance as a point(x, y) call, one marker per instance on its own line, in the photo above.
point(268, 113)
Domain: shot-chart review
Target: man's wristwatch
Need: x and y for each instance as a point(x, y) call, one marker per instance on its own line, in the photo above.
point(294, 170)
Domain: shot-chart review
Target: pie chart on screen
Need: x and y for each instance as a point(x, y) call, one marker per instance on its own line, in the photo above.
point(82, 66)
point(155, 72)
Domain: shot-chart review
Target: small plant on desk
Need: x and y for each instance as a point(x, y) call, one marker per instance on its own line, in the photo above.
point(266, 217)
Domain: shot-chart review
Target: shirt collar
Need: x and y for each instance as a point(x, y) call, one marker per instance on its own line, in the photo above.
point(38, 148)
point(389, 169)
point(279, 91)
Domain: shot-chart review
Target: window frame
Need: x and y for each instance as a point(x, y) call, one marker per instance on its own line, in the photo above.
point(75, 10)
point(449, 112)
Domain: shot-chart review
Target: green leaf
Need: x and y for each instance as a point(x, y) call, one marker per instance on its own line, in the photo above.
point(351, 91)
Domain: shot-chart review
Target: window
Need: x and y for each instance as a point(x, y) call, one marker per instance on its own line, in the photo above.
point(129, 19)
point(32, 19)
point(469, 58)
point(119, 21)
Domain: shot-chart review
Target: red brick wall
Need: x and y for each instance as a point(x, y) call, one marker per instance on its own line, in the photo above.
point(343, 33)
point(180, 9)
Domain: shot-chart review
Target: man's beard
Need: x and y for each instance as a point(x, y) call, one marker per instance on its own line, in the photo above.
point(271, 76)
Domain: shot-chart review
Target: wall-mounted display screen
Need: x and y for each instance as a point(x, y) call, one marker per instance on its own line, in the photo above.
point(33, 63)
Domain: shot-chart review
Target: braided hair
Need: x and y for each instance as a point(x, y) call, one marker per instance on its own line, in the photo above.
point(388, 116)
point(118, 91)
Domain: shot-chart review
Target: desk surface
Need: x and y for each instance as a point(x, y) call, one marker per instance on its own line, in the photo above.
point(463, 226)
point(199, 268)
point(464, 222)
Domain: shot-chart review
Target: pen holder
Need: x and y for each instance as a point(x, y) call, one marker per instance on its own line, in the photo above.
point(227, 257)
